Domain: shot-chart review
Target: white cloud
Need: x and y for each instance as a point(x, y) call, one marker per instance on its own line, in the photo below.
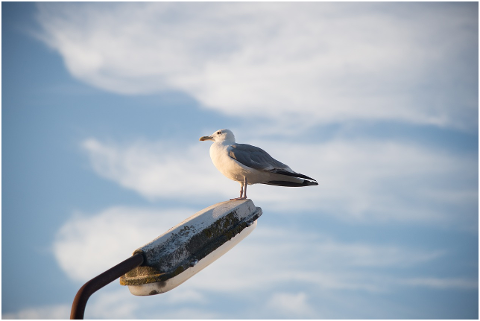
point(186, 313)
point(379, 180)
point(442, 283)
point(358, 180)
point(87, 245)
point(271, 257)
point(112, 304)
point(114, 233)
point(59, 311)
point(291, 305)
point(116, 302)
point(305, 63)
point(258, 273)
point(156, 169)
point(186, 296)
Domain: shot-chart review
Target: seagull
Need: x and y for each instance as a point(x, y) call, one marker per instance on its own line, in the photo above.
point(249, 164)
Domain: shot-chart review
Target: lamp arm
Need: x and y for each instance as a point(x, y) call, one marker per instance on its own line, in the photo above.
point(98, 282)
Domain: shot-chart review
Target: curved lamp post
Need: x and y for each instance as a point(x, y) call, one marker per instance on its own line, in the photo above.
point(178, 254)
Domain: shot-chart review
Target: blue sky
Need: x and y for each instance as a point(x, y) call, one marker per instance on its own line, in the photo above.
point(102, 108)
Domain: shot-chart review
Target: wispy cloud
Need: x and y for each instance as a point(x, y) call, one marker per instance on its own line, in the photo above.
point(442, 283)
point(302, 63)
point(291, 305)
point(254, 274)
point(59, 311)
point(87, 245)
point(363, 180)
point(300, 257)
point(280, 247)
point(155, 169)
point(112, 304)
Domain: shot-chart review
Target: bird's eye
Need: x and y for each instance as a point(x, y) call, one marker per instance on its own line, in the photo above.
point(219, 132)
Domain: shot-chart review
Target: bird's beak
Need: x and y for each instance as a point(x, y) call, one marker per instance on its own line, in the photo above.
point(203, 138)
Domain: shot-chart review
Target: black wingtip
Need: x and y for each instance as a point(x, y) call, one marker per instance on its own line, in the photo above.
point(292, 184)
point(310, 183)
point(293, 174)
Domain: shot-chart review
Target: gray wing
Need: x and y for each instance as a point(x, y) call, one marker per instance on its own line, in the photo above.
point(257, 158)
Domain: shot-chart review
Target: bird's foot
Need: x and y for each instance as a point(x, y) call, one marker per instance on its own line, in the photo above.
point(238, 198)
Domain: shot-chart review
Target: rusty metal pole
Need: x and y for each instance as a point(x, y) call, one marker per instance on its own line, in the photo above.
point(98, 282)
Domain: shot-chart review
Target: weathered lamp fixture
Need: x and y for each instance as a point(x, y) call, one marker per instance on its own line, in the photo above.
point(179, 253)
point(192, 245)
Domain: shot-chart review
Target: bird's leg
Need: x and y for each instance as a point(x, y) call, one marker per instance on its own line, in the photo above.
point(243, 191)
point(245, 187)
point(241, 194)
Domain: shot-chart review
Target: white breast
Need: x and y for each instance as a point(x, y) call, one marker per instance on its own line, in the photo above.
point(225, 164)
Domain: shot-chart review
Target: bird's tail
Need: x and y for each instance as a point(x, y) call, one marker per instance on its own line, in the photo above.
point(306, 180)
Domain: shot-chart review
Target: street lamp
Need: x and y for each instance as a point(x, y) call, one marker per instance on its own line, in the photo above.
point(178, 254)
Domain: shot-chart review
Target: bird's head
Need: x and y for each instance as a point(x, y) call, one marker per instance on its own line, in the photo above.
point(221, 135)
